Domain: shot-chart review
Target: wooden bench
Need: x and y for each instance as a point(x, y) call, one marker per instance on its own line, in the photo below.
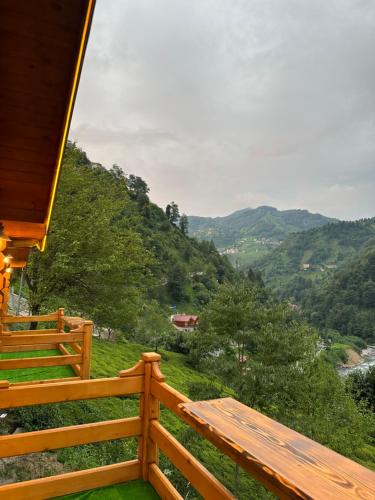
point(287, 463)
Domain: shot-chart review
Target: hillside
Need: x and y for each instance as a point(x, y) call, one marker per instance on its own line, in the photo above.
point(308, 257)
point(109, 241)
point(346, 300)
point(248, 234)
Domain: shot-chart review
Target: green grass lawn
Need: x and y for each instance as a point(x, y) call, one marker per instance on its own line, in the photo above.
point(133, 490)
point(28, 374)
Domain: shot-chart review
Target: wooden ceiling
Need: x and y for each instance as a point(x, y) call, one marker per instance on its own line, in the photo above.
point(42, 43)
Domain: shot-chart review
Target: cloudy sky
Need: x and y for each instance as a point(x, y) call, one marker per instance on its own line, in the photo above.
point(224, 104)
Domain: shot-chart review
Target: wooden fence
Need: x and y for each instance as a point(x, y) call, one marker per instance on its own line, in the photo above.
point(331, 476)
point(74, 344)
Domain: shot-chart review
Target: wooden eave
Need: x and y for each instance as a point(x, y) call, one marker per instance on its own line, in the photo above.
point(42, 45)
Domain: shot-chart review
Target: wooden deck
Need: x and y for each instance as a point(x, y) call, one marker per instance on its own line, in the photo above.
point(288, 463)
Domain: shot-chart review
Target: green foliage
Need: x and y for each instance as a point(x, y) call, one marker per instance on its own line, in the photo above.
point(346, 301)
point(362, 386)
point(253, 233)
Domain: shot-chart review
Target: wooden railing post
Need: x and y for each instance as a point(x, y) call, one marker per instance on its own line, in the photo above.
point(87, 329)
point(148, 451)
point(60, 319)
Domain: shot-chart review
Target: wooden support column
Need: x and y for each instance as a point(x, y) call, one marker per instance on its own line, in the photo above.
point(60, 319)
point(87, 329)
point(148, 452)
point(4, 280)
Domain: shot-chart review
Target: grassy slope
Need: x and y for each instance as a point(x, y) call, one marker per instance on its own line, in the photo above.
point(134, 490)
point(28, 374)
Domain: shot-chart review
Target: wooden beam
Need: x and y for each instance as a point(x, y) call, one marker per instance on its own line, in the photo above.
point(72, 482)
point(15, 396)
point(10, 339)
point(52, 439)
point(27, 230)
point(30, 319)
point(162, 484)
point(39, 362)
point(202, 480)
point(168, 396)
point(28, 347)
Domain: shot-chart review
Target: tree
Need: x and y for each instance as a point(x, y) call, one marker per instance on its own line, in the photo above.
point(172, 212)
point(95, 262)
point(184, 224)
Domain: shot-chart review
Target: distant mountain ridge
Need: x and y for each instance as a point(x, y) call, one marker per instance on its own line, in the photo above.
point(251, 231)
point(307, 257)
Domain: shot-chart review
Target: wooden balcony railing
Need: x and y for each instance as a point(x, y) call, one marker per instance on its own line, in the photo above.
point(74, 344)
point(287, 463)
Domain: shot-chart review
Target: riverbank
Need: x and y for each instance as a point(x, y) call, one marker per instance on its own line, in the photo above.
point(363, 361)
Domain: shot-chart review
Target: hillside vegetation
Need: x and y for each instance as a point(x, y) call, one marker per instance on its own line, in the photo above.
point(346, 301)
point(248, 234)
point(111, 250)
point(322, 250)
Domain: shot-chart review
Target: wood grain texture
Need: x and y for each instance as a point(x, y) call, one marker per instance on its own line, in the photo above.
point(52, 439)
point(168, 396)
point(39, 362)
point(16, 396)
point(72, 482)
point(289, 464)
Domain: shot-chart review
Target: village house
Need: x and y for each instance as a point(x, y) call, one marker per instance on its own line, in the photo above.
point(185, 322)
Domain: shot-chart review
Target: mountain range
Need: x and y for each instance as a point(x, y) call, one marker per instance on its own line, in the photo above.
point(249, 234)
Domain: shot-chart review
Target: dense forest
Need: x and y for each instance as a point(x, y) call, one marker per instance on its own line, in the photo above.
point(116, 257)
point(346, 300)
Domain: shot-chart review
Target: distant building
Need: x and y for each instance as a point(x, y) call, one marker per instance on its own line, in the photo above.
point(185, 322)
point(305, 266)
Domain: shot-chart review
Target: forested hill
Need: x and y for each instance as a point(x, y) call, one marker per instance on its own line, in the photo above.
point(346, 301)
point(306, 257)
point(110, 249)
point(248, 234)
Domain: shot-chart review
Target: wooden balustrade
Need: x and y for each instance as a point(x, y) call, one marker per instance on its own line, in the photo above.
point(283, 460)
point(74, 346)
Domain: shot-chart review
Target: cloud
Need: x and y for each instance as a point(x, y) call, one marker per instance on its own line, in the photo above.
point(222, 104)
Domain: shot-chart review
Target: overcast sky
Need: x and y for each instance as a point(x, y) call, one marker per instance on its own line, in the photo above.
point(225, 104)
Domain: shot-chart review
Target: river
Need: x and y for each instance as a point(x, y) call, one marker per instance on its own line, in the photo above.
point(368, 356)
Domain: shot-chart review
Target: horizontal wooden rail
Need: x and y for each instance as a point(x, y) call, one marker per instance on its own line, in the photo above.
point(27, 347)
point(45, 381)
point(9, 339)
point(72, 482)
point(29, 319)
point(202, 480)
point(63, 437)
point(16, 396)
point(31, 332)
point(168, 396)
point(40, 362)
point(162, 485)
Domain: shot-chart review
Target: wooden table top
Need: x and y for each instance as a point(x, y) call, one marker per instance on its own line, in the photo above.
point(287, 463)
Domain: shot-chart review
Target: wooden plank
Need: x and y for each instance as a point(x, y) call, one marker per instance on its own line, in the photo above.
point(168, 396)
point(52, 439)
point(21, 229)
point(33, 332)
point(39, 362)
point(17, 396)
point(30, 319)
point(27, 347)
point(72, 482)
point(287, 463)
point(77, 348)
point(202, 480)
point(162, 485)
point(46, 381)
point(10, 339)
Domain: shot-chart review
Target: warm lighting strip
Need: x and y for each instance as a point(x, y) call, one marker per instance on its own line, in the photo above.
point(68, 116)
